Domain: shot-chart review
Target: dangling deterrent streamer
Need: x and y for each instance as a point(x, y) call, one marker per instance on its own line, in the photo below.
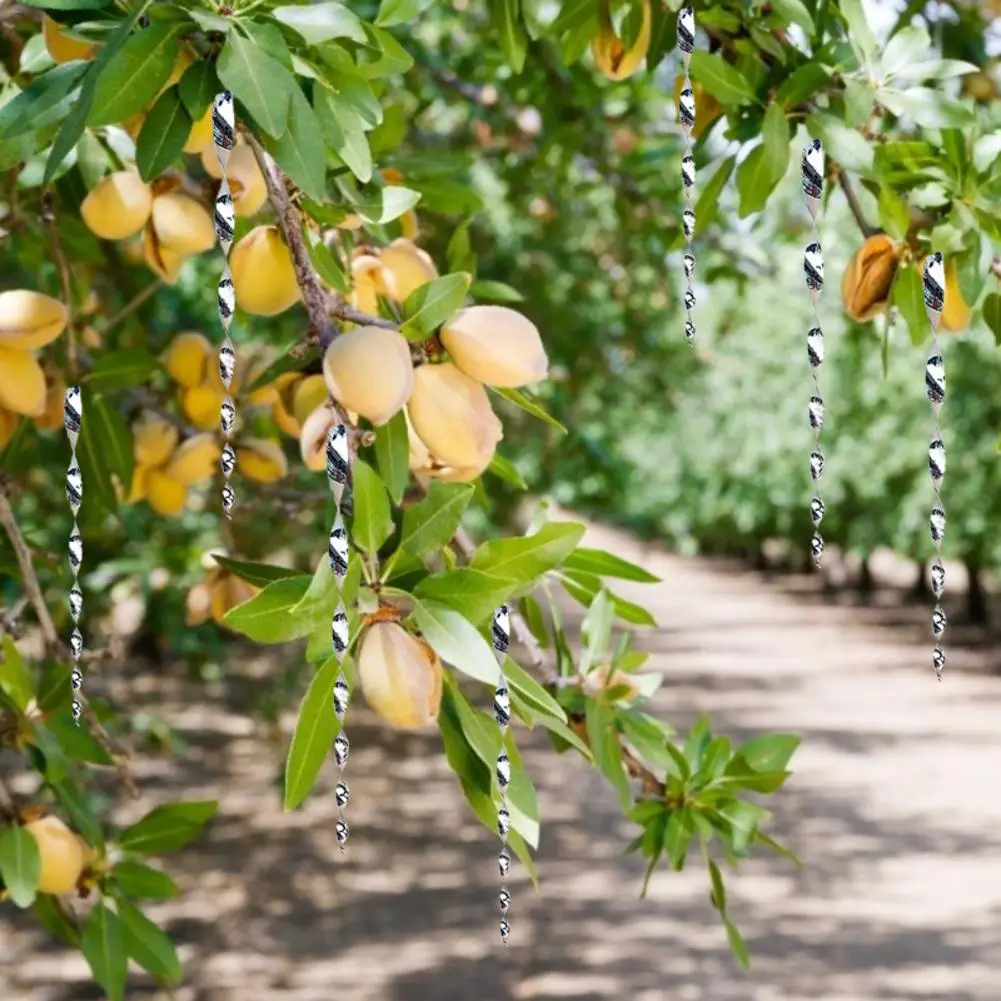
point(73, 421)
point(501, 634)
point(686, 114)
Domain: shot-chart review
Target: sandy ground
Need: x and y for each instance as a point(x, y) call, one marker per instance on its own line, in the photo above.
point(890, 807)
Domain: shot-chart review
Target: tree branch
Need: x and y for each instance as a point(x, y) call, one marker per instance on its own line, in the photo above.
point(854, 204)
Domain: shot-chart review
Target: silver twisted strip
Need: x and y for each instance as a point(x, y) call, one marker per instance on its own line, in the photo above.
point(501, 636)
point(338, 475)
point(813, 268)
point(224, 138)
point(686, 114)
point(73, 422)
point(933, 283)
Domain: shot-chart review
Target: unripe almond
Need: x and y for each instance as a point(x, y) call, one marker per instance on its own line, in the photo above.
point(60, 46)
point(161, 260)
point(313, 438)
point(164, 494)
point(262, 271)
point(61, 855)
point(366, 283)
point(187, 357)
point(496, 346)
point(308, 393)
point(611, 57)
point(30, 320)
point(195, 461)
point(153, 440)
point(52, 417)
point(405, 267)
point(201, 405)
point(182, 224)
point(118, 206)
point(22, 382)
point(451, 414)
point(868, 278)
point(200, 136)
point(400, 676)
point(368, 370)
point(261, 460)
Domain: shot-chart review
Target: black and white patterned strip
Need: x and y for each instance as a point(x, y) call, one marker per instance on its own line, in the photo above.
point(813, 267)
point(501, 637)
point(223, 137)
point(933, 281)
point(686, 113)
point(73, 421)
point(338, 475)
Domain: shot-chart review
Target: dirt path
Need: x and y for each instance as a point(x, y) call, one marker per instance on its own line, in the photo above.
point(894, 807)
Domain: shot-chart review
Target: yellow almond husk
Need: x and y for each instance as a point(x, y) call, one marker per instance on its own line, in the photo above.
point(409, 225)
point(161, 260)
point(368, 370)
point(313, 438)
point(22, 382)
point(137, 489)
point(187, 358)
point(246, 181)
point(228, 591)
point(268, 393)
point(956, 312)
point(308, 393)
point(262, 271)
point(281, 410)
point(182, 224)
point(118, 206)
point(366, 283)
point(200, 136)
point(61, 853)
point(400, 676)
point(8, 425)
point(30, 320)
point(496, 346)
point(611, 57)
point(261, 460)
point(405, 267)
point(52, 417)
point(60, 46)
point(707, 108)
point(868, 278)
point(452, 416)
point(195, 460)
point(198, 604)
point(164, 494)
point(201, 406)
point(185, 58)
point(210, 162)
point(153, 440)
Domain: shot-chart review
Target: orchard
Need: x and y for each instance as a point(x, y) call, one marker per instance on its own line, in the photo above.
point(437, 269)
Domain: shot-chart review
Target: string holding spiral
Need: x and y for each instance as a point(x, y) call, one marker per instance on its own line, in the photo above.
point(224, 138)
point(933, 283)
point(686, 114)
point(73, 423)
point(338, 476)
point(501, 637)
point(813, 268)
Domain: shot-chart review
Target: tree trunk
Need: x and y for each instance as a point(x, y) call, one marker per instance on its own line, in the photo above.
point(866, 583)
point(978, 606)
point(920, 589)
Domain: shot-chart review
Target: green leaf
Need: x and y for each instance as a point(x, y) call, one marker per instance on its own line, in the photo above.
point(802, 84)
point(260, 574)
point(504, 469)
point(754, 181)
point(283, 364)
point(770, 752)
point(721, 80)
point(433, 521)
point(15, 678)
point(72, 128)
point(431, 304)
point(507, 22)
point(456, 640)
point(597, 561)
point(104, 451)
point(894, 215)
point(737, 945)
point(136, 879)
point(121, 368)
point(373, 518)
point(133, 78)
point(262, 84)
point(394, 12)
point(147, 944)
point(775, 141)
point(522, 400)
point(522, 560)
point(597, 631)
point(607, 751)
point(859, 32)
point(392, 456)
point(845, 145)
point(320, 22)
point(718, 895)
point(908, 297)
point(198, 88)
point(74, 800)
point(103, 947)
point(491, 291)
point(163, 135)
point(525, 687)
point(992, 315)
point(54, 687)
point(795, 12)
point(315, 730)
point(904, 48)
point(328, 267)
point(267, 617)
point(69, 4)
point(50, 916)
point(300, 150)
point(20, 865)
point(394, 201)
point(167, 828)
point(678, 837)
point(77, 741)
point(583, 587)
point(344, 131)
point(472, 592)
point(932, 109)
point(42, 102)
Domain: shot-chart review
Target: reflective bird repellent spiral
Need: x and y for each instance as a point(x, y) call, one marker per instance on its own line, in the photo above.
point(73, 421)
point(338, 472)
point(813, 267)
point(501, 636)
point(686, 113)
point(933, 281)
point(223, 137)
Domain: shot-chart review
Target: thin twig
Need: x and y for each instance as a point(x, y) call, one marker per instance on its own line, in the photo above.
point(131, 306)
point(65, 281)
point(854, 204)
